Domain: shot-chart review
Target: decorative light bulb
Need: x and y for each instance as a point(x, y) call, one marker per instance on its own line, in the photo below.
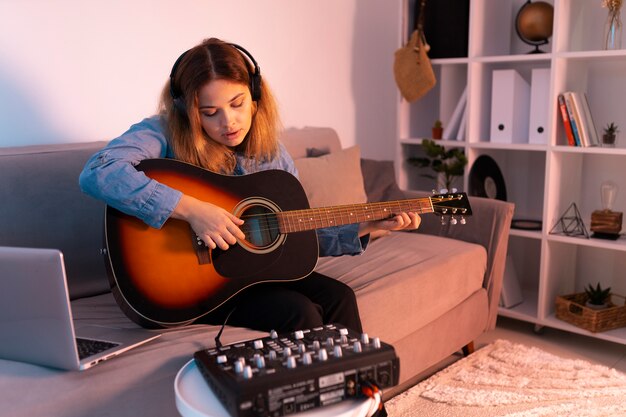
point(608, 191)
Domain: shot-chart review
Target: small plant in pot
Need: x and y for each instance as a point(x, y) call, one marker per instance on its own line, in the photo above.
point(437, 129)
point(597, 297)
point(609, 135)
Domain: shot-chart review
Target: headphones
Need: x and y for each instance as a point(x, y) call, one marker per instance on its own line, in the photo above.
point(255, 78)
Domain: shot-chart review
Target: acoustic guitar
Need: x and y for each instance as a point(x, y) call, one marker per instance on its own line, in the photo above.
point(168, 277)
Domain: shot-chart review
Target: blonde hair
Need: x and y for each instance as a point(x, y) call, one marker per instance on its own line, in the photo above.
point(214, 59)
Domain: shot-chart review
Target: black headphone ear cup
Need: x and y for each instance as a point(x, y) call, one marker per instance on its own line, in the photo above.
point(179, 104)
point(255, 87)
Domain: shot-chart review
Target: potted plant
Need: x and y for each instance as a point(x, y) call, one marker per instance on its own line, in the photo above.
point(437, 129)
point(610, 133)
point(597, 297)
point(447, 164)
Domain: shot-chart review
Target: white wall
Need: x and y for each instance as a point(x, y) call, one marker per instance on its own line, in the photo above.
point(80, 70)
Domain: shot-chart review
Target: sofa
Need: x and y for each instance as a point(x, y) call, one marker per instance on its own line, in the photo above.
point(429, 293)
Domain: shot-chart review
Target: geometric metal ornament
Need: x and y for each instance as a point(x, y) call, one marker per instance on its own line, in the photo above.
point(570, 223)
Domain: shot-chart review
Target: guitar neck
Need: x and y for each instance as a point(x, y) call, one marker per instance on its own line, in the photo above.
point(319, 218)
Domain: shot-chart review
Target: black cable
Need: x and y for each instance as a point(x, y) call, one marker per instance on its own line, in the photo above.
point(219, 334)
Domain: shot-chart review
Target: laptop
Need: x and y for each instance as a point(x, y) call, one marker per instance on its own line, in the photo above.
point(36, 323)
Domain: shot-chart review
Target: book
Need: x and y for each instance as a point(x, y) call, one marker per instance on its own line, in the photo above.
point(586, 131)
point(461, 133)
point(569, 105)
point(566, 122)
point(453, 125)
point(594, 139)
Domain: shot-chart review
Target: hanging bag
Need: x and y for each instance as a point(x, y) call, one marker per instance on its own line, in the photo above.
point(412, 69)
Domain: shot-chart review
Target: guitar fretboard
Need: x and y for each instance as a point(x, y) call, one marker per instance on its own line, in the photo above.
point(318, 218)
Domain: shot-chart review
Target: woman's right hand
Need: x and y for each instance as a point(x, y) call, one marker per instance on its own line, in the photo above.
point(214, 225)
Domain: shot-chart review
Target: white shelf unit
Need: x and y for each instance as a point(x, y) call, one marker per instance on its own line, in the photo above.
point(543, 180)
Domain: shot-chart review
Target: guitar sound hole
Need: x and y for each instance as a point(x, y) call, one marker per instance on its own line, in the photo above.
point(260, 227)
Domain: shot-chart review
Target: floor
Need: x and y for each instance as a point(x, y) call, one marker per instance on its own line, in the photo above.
point(558, 342)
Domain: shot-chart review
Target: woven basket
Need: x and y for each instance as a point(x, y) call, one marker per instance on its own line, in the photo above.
point(572, 309)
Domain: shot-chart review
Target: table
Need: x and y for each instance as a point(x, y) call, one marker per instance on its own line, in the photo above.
point(194, 398)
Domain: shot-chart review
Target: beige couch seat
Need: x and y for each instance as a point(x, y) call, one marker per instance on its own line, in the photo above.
point(406, 280)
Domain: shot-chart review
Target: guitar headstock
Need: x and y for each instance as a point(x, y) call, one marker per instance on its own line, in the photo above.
point(454, 204)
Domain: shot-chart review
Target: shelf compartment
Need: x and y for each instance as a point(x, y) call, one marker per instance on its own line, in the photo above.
point(524, 174)
point(492, 29)
point(481, 95)
point(570, 267)
point(580, 25)
point(576, 178)
point(602, 80)
point(438, 103)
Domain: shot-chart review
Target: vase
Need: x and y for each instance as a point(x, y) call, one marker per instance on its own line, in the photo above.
point(613, 30)
point(608, 140)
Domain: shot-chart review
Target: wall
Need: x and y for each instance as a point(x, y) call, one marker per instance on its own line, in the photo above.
point(74, 71)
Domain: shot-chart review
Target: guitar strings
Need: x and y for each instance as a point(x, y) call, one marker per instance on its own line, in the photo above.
point(273, 222)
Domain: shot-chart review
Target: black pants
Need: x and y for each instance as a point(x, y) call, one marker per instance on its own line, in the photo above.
point(292, 305)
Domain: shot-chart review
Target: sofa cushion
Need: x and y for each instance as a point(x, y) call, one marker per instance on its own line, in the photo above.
point(42, 206)
point(397, 274)
point(333, 179)
point(379, 179)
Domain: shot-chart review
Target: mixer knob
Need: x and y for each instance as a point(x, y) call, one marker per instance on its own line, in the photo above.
point(273, 334)
point(365, 339)
point(343, 339)
point(287, 352)
point(247, 372)
point(343, 331)
point(357, 347)
point(298, 334)
point(307, 359)
point(239, 366)
point(322, 355)
point(316, 345)
point(376, 342)
point(338, 352)
point(272, 355)
point(301, 348)
point(291, 362)
point(330, 342)
point(222, 359)
point(260, 362)
point(258, 344)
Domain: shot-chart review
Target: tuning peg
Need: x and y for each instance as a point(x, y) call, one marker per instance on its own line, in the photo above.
point(462, 220)
point(454, 190)
point(443, 191)
point(434, 191)
point(443, 221)
point(453, 220)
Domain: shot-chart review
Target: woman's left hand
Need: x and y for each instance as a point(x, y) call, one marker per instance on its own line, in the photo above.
point(402, 221)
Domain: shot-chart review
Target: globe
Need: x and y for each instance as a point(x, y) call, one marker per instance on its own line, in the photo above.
point(534, 23)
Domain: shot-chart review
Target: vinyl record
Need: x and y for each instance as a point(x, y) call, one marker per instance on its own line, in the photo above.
point(485, 179)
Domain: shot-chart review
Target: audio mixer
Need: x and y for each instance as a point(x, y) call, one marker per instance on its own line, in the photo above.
point(287, 373)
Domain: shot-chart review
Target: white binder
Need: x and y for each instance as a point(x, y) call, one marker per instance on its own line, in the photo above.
point(511, 294)
point(539, 99)
point(510, 106)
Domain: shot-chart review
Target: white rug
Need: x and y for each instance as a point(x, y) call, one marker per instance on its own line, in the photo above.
point(513, 380)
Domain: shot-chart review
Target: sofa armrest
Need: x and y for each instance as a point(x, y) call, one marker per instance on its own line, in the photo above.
point(489, 227)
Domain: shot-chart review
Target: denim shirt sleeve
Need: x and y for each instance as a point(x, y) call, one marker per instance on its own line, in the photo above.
point(110, 174)
point(333, 241)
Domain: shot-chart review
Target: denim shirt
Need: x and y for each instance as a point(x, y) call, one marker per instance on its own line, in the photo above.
point(110, 175)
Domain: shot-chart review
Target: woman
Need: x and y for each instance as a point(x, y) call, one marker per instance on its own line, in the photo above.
point(217, 113)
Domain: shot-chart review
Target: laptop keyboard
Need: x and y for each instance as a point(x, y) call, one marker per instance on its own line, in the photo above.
point(88, 347)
